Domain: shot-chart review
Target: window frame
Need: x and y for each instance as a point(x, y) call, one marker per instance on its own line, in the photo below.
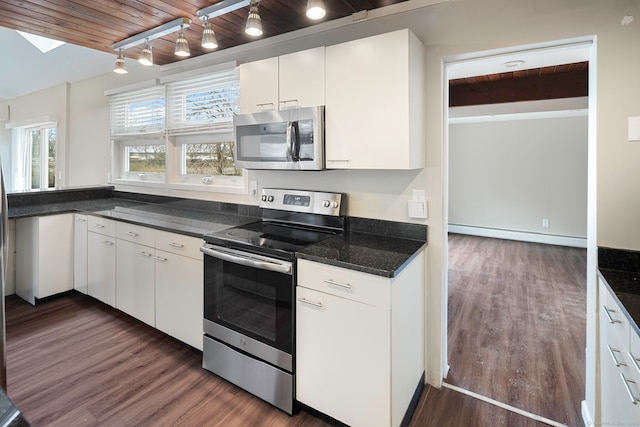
point(179, 131)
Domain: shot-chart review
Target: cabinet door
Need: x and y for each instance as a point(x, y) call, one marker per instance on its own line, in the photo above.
point(80, 253)
point(301, 78)
point(343, 358)
point(374, 103)
point(101, 267)
point(44, 256)
point(179, 297)
point(259, 86)
point(135, 276)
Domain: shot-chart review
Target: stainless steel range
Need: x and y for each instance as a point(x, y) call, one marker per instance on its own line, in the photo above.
point(249, 287)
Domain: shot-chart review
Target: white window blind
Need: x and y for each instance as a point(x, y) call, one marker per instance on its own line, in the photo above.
point(205, 103)
point(138, 112)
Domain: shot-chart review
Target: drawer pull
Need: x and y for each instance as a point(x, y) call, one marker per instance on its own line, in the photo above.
point(634, 360)
point(108, 243)
point(159, 258)
point(146, 254)
point(626, 382)
point(98, 225)
point(81, 220)
point(176, 245)
point(334, 283)
point(313, 303)
point(131, 233)
point(608, 312)
point(612, 352)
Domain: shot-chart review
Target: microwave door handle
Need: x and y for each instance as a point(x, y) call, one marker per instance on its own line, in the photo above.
point(296, 141)
point(290, 142)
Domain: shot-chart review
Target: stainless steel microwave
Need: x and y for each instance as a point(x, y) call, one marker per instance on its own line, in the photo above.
point(290, 139)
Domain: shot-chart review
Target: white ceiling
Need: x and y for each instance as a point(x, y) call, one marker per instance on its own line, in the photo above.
point(25, 69)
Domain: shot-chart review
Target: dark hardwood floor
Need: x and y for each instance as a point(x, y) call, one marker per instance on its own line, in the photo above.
point(73, 361)
point(517, 324)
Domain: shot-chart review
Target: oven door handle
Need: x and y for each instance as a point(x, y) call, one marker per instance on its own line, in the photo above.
point(263, 263)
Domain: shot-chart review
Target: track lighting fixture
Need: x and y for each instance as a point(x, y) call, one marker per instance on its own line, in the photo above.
point(253, 27)
point(182, 46)
point(254, 23)
point(315, 9)
point(146, 56)
point(209, 40)
point(121, 67)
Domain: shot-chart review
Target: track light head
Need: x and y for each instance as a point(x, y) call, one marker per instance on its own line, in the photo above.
point(209, 40)
point(146, 56)
point(182, 46)
point(315, 9)
point(254, 23)
point(120, 67)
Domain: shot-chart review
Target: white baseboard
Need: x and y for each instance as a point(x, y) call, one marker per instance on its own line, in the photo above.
point(550, 239)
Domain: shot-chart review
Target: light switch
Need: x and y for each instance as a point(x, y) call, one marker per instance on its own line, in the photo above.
point(634, 128)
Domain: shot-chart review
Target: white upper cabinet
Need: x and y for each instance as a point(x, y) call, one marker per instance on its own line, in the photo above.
point(375, 103)
point(288, 81)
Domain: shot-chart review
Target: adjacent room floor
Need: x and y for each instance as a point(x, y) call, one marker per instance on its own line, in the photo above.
point(517, 324)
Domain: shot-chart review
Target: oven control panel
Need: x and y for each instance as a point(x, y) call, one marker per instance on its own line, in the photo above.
point(302, 201)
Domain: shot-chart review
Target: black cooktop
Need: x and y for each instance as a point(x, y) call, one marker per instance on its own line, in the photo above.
point(269, 238)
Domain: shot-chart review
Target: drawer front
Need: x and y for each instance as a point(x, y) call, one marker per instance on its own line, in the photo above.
point(178, 244)
point(135, 233)
point(102, 225)
point(355, 285)
point(613, 317)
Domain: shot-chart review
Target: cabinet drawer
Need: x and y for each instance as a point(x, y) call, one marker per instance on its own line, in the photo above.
point(355, 285)
point(614, 319)
point(135, 233)
point(102, 225)
point(179, 244)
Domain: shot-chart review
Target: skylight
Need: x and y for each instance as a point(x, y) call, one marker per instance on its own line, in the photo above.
point(42, 43)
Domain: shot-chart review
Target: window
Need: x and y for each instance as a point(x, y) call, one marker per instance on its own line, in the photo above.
point(180, 133)
point(40, 149)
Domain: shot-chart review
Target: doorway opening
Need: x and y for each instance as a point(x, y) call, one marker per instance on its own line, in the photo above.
point(507, 273)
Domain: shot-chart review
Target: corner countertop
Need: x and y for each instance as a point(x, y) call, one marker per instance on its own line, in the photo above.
point(184, 216)
point(379, 255)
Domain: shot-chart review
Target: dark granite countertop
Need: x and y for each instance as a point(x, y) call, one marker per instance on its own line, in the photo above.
point(193, 218)
point(377, 247)
point(620, 270)
point(625, 286)
point(370, 253)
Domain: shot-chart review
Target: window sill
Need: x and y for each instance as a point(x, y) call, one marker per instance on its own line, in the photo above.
point(202, 188)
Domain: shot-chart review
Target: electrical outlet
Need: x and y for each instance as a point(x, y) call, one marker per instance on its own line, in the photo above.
point(545, 222)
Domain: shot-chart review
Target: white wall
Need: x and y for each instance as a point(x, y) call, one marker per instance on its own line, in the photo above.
point(510, 175)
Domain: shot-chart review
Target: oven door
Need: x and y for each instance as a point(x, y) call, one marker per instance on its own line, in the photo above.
point(248, 303)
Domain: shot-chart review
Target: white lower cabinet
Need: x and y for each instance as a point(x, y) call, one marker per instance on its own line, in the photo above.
point(135, 284)
point(152, 275)
point(619, 364)
point(44, 256)
point(179, 297)
point(359, 342)
point(101, 260)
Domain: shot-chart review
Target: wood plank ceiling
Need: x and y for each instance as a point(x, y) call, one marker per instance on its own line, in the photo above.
point(97, 24)
point(558, 81)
